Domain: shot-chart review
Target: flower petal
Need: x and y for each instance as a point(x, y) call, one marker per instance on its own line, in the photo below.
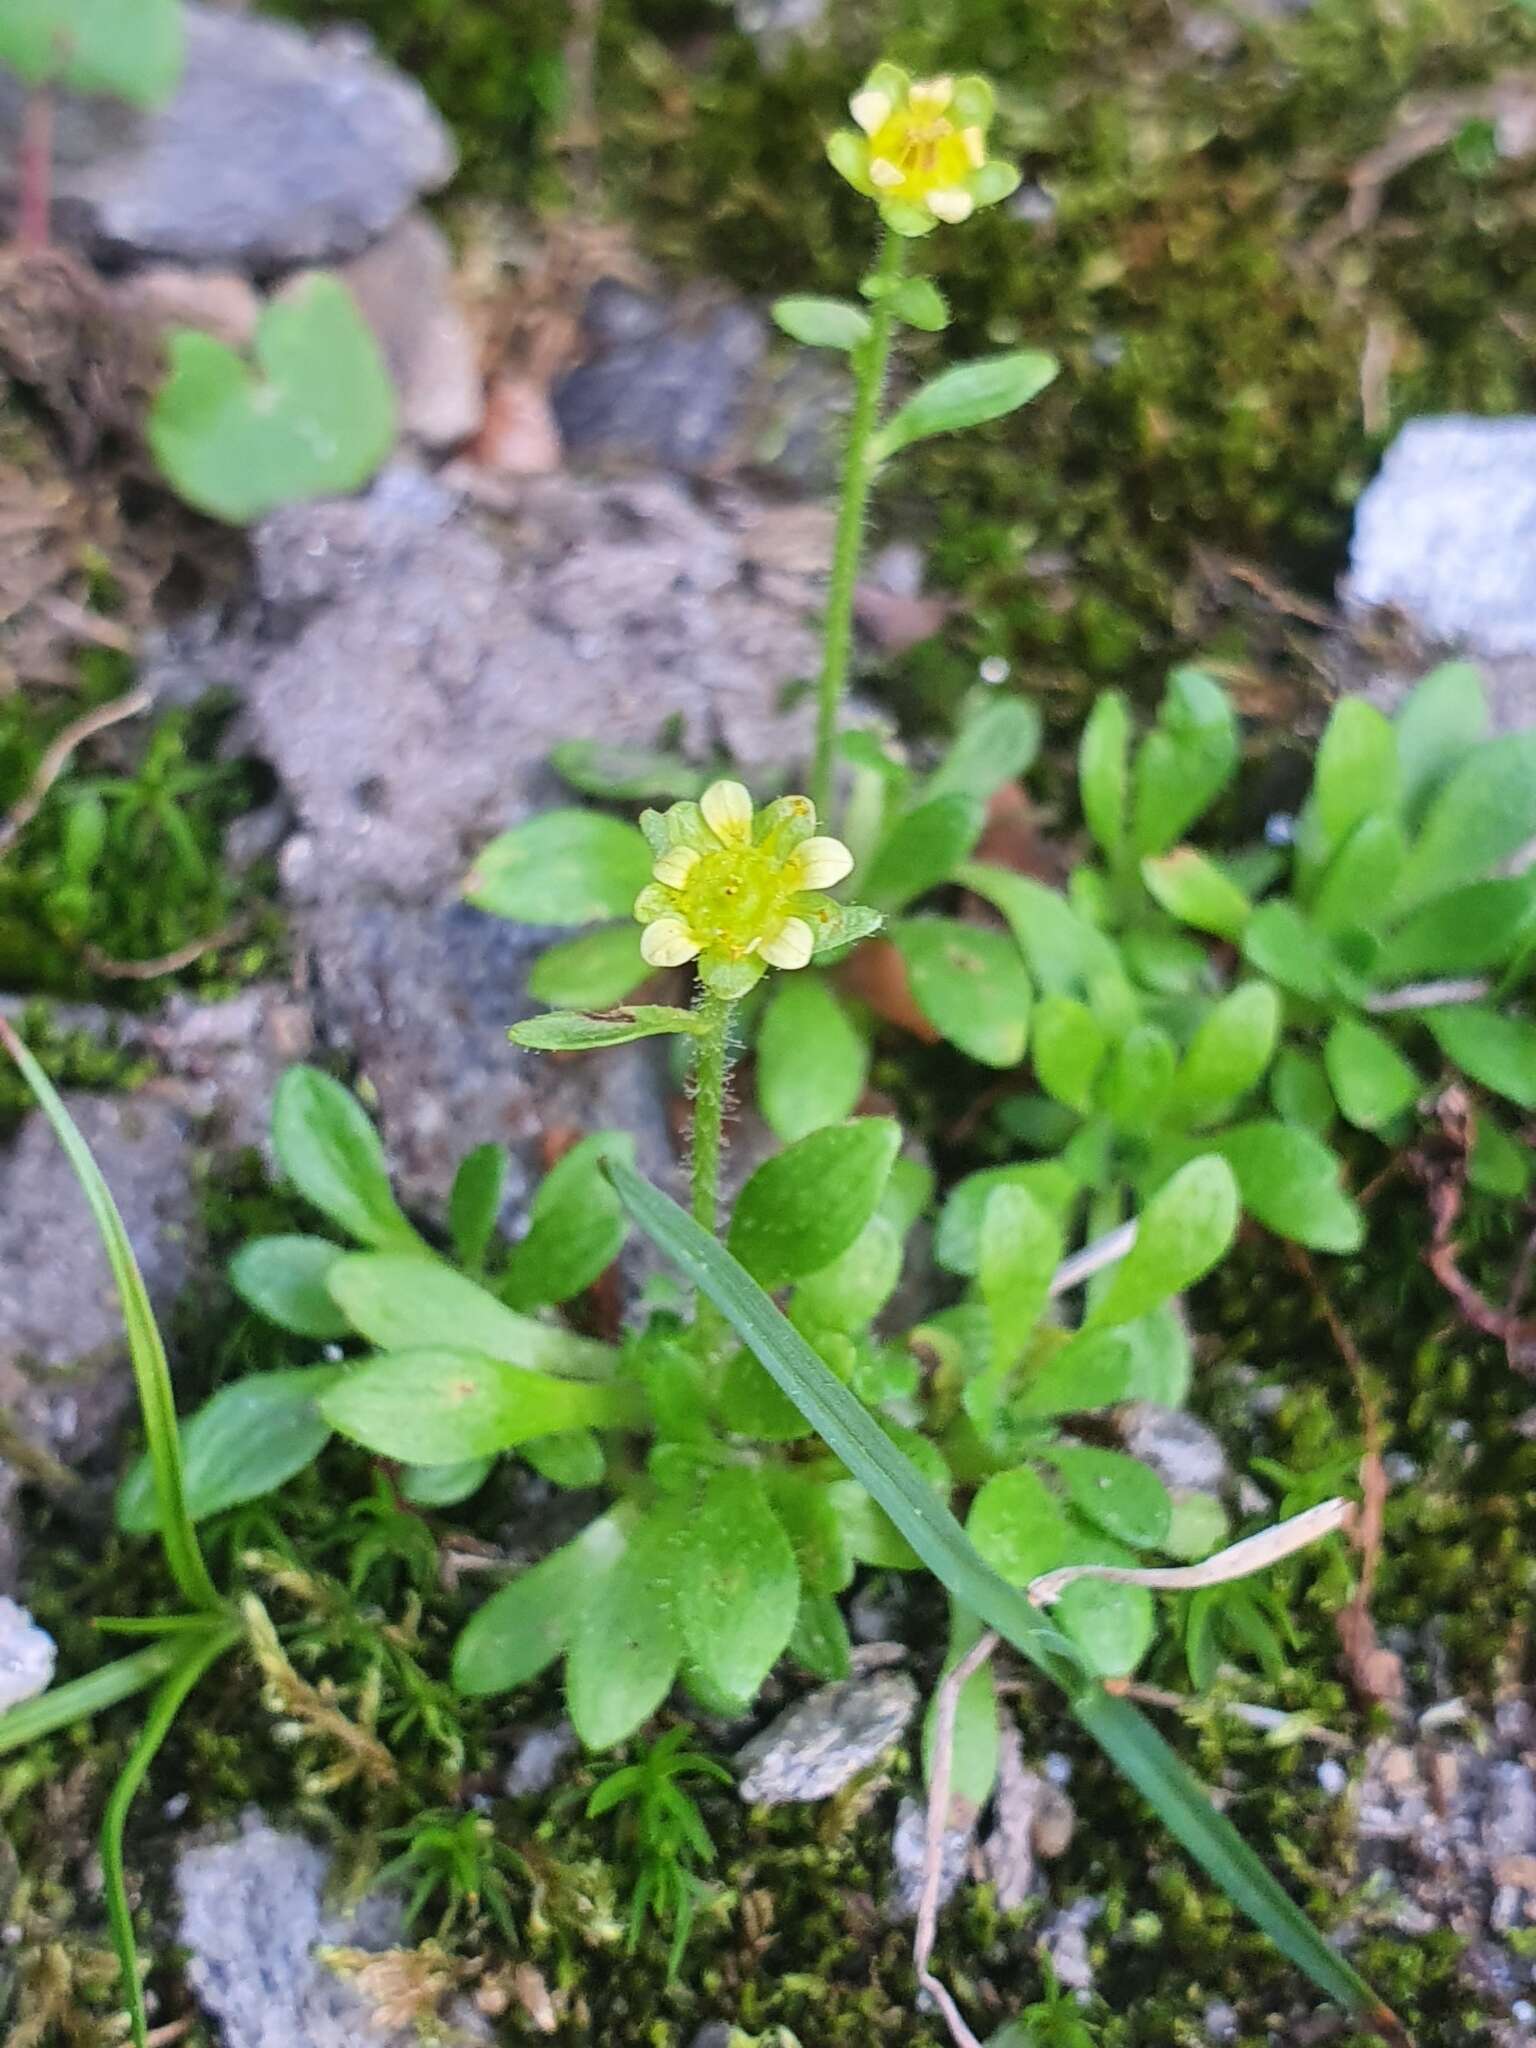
point(655, 900)
point(871, 109)
point(676, 865)
point(727, 808)
point(952, 203)
point(791, 945)
point(820, 863)
point(667, 943)
point(929, 97)
point(975, 146)
point(884, 175)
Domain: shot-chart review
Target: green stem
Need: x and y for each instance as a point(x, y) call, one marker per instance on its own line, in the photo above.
point(708, 1126)
point(870, 361)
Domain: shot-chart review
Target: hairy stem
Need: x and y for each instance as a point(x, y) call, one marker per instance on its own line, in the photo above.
point(870, 362)
point(708, 1127)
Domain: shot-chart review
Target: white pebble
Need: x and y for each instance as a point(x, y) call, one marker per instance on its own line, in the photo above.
point(1332, 1776)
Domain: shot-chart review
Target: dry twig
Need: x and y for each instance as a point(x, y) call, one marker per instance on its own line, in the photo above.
point(57, 759)
point(168, 963)
point(948, 1702)
point(1446, 1179)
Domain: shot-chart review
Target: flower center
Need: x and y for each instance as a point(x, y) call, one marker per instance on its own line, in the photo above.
point(736, 898)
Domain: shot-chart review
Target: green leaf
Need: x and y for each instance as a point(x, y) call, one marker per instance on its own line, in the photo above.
point(998, 739)
point(808, 1204)
point(1290, 1180)
point(247, 1440)
point(841, 925)
point(850, 1293)
point(1482, 816)
point(1103, 767)
point(922, 849)
point(1196, 892)
point(626, 1646)
point(332, 1154)
point(443, 1406)
point(474, 1203)
point(1498, 1166)
point(576, 1228)
point(957, 1244)
point(1357, 884)
point(571, 1031)
point(284, 1279)
point(967, 396)
point(1232, 1046)
point(1184, 763)
point(146, 1351)
point(1018, 1525)
point(1371, 1081)
point(812, 1059)
point(852, 1435)
point(919, 303)
point(571, 1458)
point(751, 1404)
point(1498, 1050)
point(593, 971)
point(524, 1627)
point(1121, 1495)
point(444, 1486)
point(737, 1586)
point(1021, 1246)
point(1069, 1050)
point(1299, 1089)
point(97, 46)
point(312, 415)
point(1182, 1232)
point(1356, 776)
point(562, 867)
point(1278, 941)
point(1093, 1370)
point(1440, 722)
point(1139, 1078)
point(1064, 953)
point(820, 1641)
point(1161, 1361)
point(627, 774)
point(1111, 1625)
point(804, 1506)
point(822, 323)
point(1481, 926)
point(970, 984)
point(414, 1304)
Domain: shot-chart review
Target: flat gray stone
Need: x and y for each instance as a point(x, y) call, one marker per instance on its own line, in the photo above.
point(818, 1745)
point(253, 1920)
point(277, 149)
point(1181, 1449)
point(1446, 534)
point(909, 1857)
point(64, 1380)
point(27, 1656)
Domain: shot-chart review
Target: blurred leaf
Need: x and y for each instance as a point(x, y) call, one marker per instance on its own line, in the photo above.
point(562, 867)
point(593, 971)
point(1184, 763)
point(474, 1202)
point(822, 323)
point(442, 1407)
point(625, 1646)
point(967, 396)
point(247, 1440)
point(1371, 1080)
point(1196, 892)
point(411, 1304)
point(572, 1031)
point(921, 850)
point(1180, 1235)
point(1498, 1050)
point(808, 1204)
point(284, 1279)
point(1290, 1180)
point(332, 1154)
point(97, 46)
point(969, 982)
point(576, 1227)
point(812, 1060)
point(524, 1627)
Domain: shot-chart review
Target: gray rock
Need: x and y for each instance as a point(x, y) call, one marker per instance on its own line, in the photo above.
point(663, 386)
point(816, 1746)
point(404, 285)
point(1065, 1940)
point(1445, 538)
point(27, 1656)
point(253, 1920)
point(537, 1759)
point(909, 1855)
point(63, 1380)
point(277, 149)
point(1180, 1449)
point(407, 663)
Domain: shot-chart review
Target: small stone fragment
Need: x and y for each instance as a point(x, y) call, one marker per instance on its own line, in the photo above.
point(1066, 1943)
point(404, 285)
point(1180, 1449)
point(909, 1856)
point(537, 1759)
point(816, 1746)
point(27, 1656)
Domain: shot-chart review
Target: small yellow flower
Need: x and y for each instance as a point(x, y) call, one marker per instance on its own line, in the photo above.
point(920, 149)
point(739, 892)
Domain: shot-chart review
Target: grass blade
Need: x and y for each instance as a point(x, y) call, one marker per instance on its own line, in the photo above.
point(63, 1705)
point(152, 1376)
point(166, 1705)
point(1128, 1739)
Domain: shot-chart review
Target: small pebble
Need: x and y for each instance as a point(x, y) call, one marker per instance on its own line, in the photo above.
point(994, 670)
point(1058, 1768)
point(1522, 2012)
point(1332, 1776)
point(27, 1656)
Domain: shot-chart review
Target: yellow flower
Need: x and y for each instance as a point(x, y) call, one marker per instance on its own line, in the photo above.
point(739, 892)
point(920, 149)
